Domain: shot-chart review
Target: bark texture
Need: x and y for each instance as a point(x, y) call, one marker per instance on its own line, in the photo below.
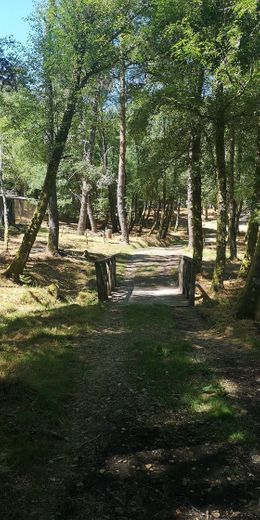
point(249, 300)
point(253, 225)
point(2, 191)
point(53, 236)
point(195, 152)
point(111, 189)
point(122, 159)
point(219, 271)
point(189, 203)
point(232, 228)
point(194, 185)
point(86, 209)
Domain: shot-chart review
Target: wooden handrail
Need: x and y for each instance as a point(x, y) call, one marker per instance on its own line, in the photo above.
point(106, 276)
point(187, 278)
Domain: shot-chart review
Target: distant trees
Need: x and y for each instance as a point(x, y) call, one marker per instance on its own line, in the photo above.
point(87, 31)
point(155, 106)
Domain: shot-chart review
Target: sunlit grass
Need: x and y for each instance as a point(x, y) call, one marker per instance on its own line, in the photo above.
point(166, 367)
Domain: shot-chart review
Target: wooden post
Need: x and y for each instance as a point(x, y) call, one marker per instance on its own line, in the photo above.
point(101, 282)
point(106, 277)
point(113, 271)
point(187, 278)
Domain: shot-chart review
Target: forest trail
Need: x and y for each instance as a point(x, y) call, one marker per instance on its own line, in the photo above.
point(164, 417)
point(151, 278)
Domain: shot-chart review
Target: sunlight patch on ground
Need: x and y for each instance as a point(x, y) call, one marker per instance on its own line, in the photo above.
point(229, 386)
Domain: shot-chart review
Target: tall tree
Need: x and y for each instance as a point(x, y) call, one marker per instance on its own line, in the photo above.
point(122, 156)
point(47, 43)
point(219, 270)
point(53, 220)
point(86, 209)
point(4, 201)
point(253, 225)
point(248, 302)
point(232, 230)
point(89, 31)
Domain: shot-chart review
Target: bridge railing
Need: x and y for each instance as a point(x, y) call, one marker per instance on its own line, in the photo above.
point(106, 277)
point(187, 278)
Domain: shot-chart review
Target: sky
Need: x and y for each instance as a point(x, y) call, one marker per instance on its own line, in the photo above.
point(12, 13)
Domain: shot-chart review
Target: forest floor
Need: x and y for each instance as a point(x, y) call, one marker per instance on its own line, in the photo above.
point(124, 410)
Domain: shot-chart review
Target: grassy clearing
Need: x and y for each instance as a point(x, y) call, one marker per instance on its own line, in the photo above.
point(41, 330)
point(40, 359)
point(38, 369)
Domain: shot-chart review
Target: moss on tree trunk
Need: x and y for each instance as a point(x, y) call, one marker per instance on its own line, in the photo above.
point(17, 266)
point(253, 225)
point(249, 300)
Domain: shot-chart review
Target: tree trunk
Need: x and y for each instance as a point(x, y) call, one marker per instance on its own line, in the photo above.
point(167, 219)
point(17, 266)
point(156, 220)
point(122, 159)
point(238, 215)
point(92, 221)
point(6, 223)
point(189, 205)
point(83, 214)
point(142, 219)
point(112, 207)
point(232, 232)
point(249, 300)
point(133, 212)
point(194, 183)
point(219, 271)
point(86, 210)
point(252, 233)
point(176, 227)
point(111, 191)
point(163, 206)
point(147, 217)
point(197, 233)
point(253, 225)
point(53, 236)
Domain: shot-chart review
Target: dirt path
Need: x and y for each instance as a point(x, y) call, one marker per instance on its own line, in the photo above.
point(164, 425)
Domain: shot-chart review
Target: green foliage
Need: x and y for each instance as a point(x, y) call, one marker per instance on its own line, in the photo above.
point(167, 45)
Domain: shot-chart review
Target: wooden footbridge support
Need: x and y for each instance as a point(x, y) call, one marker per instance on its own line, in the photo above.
point(158, 288)
point(161, 288)
point(187, 278)
point(106, 277)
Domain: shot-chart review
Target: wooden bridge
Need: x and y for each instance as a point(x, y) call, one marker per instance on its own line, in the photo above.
point(149, 279)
